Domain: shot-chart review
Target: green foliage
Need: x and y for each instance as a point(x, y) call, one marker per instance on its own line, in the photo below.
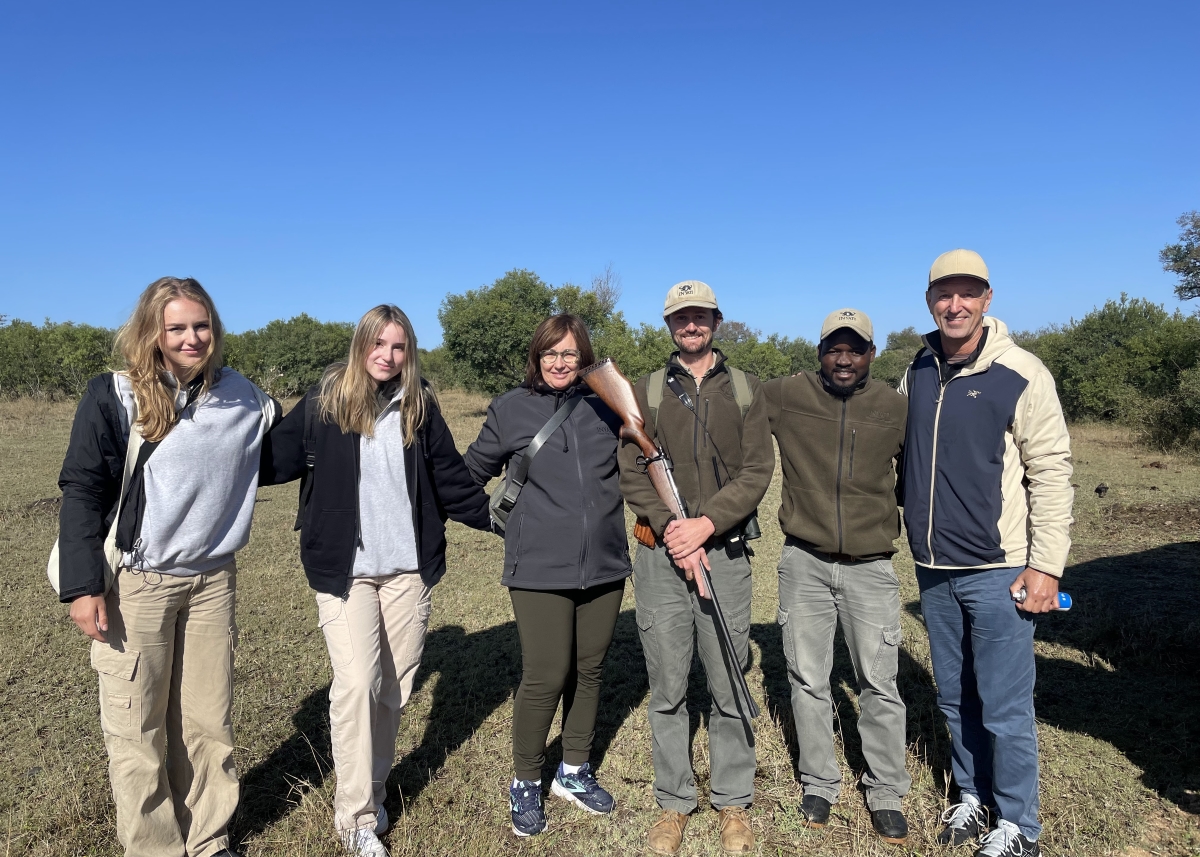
point(51, 360)
point(767, 358)
point(1183, 259)
point(285, 358)
point(891, 363)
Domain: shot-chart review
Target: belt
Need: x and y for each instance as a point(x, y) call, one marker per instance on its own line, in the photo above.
point(831, 556)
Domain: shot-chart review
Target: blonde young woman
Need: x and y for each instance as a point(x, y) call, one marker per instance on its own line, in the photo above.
point(163, 635)
point(385, 476)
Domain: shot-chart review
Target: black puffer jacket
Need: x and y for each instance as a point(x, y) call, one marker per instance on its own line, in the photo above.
point(567, 530)
point(438, 486)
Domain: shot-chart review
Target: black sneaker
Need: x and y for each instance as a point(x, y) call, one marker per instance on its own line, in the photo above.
point(1007, 840)
point(815, 810)
point(890, 825)
point(528, 814)
point(582, 790)
point(964, 821)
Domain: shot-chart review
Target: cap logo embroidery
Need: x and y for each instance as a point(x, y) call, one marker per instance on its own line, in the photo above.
point(685, 289)
point(848, 314)
point(974, 394)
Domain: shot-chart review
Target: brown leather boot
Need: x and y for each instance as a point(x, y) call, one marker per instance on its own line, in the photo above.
point(666, 835)
point(736, 835)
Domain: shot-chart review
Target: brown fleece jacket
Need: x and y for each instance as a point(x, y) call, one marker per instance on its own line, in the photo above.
point(838, 455)
point(739, 454)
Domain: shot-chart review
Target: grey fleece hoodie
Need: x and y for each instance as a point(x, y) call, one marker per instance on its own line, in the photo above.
point(201, 481)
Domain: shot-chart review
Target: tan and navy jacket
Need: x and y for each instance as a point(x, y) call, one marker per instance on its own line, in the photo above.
point(987, 461)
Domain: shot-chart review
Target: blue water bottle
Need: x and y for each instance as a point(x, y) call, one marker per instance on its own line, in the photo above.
point(1064, 600)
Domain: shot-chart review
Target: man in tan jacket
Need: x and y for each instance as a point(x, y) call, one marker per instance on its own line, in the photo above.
point(839, 433)
point(709, 418)
point(987, 506)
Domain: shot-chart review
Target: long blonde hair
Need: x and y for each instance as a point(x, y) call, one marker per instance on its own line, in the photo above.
point(137, 344)
point(348, 395)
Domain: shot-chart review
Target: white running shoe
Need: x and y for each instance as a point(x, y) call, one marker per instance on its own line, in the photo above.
point(363, 843)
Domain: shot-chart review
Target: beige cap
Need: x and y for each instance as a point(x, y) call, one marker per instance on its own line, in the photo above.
point(959, 263)
point(851, 319)
point(689, 293)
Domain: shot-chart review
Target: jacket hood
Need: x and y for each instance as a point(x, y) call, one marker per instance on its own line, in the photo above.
point(998, 341)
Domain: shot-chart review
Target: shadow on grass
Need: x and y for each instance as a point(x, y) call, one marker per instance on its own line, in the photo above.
point(479, 673)
point(927, 737)
point(1135, 617)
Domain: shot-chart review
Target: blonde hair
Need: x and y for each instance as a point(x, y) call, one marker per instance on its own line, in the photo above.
point(348, 394)
point(137, 343)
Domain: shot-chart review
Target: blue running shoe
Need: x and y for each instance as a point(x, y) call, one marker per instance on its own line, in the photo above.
point(582, 790)
point(528, 814)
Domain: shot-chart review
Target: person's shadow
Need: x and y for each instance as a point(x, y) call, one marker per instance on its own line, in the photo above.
point(478, 673)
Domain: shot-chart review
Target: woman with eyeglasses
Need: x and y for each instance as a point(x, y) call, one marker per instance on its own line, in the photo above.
point(566, 558)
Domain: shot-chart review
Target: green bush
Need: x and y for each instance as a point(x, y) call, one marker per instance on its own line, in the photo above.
point(285, 358)
point(52, 360)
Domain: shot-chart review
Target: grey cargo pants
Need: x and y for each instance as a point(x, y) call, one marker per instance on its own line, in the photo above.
point(814, 595)
point(669, 613)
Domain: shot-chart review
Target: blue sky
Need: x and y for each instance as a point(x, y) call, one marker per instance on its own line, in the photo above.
point(322, 158)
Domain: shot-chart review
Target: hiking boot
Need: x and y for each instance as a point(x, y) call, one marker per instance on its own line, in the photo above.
point(736, 835)
point(666, 835)
point(814, 809)
point(890, 825)
point(1007, 840)
point(964, 821)
point(363, 843)
point(528, 813)
point(582, 790)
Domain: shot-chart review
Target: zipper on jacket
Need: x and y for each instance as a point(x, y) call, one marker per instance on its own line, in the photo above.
point(517, 559)
point(583, 550)
point(841, 449)
point(706, 421)
point(853, 438)
point(937, 417)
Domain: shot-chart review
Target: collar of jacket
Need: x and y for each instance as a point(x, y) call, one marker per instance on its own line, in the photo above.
point(541, 388)
point(828, 387)
point(677, 368)
point(996, 341)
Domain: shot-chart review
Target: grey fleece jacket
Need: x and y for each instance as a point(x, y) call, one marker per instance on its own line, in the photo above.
point(201, 481)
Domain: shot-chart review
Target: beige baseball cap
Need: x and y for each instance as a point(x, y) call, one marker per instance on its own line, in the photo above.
point(689, 293)
point(959, 263)
point(851, 319)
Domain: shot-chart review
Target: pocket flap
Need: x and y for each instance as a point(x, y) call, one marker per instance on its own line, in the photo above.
point(117, 700)
point(329, 609)
point(645, 619)
point(782, 617)
point(110, 661)
point(892, 635)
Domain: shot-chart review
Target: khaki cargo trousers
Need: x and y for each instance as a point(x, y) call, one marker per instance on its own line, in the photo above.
point(166, 693)
point(376, 637)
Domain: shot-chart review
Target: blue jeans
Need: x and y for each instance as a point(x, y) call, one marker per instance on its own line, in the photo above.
point(982, 651)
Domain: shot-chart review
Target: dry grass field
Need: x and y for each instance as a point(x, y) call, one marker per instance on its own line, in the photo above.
point(1118, 691)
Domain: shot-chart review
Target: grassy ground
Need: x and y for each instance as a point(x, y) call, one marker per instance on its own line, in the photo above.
point(1118, 693)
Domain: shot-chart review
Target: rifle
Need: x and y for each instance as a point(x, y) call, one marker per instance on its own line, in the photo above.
point(614, 389)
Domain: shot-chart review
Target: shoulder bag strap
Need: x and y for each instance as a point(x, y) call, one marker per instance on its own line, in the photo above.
point(517, 482)
point(741, 389)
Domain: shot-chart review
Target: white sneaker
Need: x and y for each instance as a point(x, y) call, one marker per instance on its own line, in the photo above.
point(381, 821)
point(363, 843)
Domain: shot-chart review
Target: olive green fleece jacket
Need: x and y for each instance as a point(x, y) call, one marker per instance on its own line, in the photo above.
point(737, 453)
point(838, 455)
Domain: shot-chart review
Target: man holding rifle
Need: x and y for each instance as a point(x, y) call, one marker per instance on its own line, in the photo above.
point(840, 433)
point(710, 420)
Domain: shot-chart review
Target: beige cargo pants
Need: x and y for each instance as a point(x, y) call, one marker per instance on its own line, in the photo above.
point(166, 688)
point(375, 636)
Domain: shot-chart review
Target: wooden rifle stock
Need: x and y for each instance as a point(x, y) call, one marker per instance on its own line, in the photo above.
point(614, 389)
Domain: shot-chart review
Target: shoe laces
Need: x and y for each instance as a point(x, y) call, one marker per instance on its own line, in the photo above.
point(525, 797)
point(584, 776)
point(1001, 841)
point(960, 813)
point(364, 843)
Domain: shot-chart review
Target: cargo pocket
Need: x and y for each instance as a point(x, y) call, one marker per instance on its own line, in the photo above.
point(739, 629)
point(645, 623)
point(887, 658)
point(789, 648)
point(120, 691)
point(332, 620)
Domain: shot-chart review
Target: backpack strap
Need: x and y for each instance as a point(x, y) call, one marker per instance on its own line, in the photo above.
point(741, 389)
point(312, 413)
point(654, 393)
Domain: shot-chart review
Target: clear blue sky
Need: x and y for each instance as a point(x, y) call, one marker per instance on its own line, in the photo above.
point(798, 157)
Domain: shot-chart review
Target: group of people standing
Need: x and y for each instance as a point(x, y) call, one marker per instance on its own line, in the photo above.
point(973, 447)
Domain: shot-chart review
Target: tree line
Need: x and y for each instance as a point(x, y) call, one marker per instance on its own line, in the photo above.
point(1130, 360)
